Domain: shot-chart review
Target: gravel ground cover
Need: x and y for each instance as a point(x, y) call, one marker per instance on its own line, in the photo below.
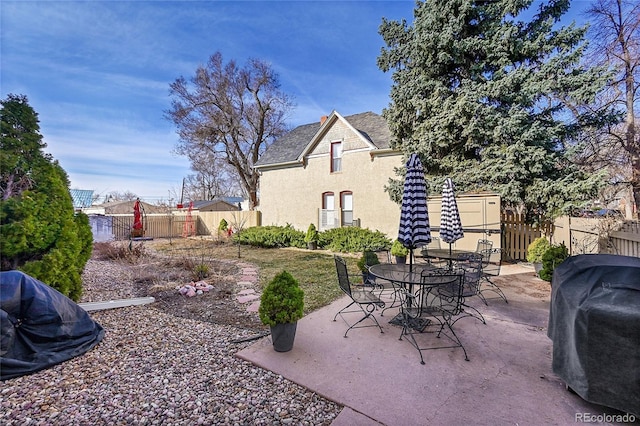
point(161, 364)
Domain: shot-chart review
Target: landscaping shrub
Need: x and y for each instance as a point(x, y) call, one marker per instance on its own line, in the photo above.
point(353, 240)
point(120, 251)
point(271, 237)
point(368, 258)
point(342, 240)
point(551, 258)
point(537, 249)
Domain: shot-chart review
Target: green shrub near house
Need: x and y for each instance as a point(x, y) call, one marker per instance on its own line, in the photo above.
point(353, 240)
point(340, 240)
point(271, 237)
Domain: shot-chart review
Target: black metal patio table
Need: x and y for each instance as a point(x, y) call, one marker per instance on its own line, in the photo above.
point(444, 254)
point(402, 276)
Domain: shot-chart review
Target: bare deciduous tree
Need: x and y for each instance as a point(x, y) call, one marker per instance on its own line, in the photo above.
point(232, 112)
point(120, 196)
point(213, 178)
point(615, 35)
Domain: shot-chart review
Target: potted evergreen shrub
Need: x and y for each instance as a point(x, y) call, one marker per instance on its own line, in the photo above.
point(399, 251)
point(536, 250)
point(368, 258)
point(555, 255)
point(311, 238)
point(281, 306)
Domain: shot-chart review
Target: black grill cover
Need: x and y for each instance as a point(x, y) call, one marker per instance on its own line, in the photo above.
point(594, 323)
point(39, 326)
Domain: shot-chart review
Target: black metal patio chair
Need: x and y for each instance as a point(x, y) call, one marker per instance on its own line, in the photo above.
point(433, 245)
point(439, 298)
point(471, 264)
point(362, 298)
point(491, 263)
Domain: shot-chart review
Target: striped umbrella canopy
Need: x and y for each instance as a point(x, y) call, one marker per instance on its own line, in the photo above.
point(414, 229)
point(450, 224)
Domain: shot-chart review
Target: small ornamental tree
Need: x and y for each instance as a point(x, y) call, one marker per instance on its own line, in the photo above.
point(282, 301)
point(312, 235)
point(39, 232)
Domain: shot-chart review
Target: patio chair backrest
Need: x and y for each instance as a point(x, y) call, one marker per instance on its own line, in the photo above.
point(434, 244)
point(471, 264)
point(484, 245)
point(343, 275)
point(491, 261)
point(443, 292)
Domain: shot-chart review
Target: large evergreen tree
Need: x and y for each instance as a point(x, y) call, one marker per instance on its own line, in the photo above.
point(480, 94)
point(39, 233)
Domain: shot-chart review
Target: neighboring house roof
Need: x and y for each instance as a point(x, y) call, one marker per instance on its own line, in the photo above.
point(125, 207)
point(232, 200)
point(293, 146)
point(213, 205)
point(81, 198)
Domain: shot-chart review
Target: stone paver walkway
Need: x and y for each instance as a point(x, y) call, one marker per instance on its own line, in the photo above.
point(247, 282)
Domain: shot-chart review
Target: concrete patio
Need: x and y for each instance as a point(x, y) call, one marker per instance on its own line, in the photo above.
point(379, 379)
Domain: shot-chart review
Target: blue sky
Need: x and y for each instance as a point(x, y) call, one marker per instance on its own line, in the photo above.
point(98, 72)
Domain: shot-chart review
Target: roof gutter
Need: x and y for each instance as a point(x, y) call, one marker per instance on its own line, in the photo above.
point(278, 165)
point(384, 152)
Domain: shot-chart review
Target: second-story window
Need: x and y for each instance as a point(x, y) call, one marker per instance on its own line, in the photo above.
point(336, 157)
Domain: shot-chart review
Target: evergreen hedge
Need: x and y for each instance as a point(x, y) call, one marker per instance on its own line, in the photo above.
point(39, 232)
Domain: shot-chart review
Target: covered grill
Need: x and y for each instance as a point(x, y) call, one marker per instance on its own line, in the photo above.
point(594, 323)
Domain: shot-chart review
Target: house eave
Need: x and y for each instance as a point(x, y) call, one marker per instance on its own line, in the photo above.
point(283, 165)
point(384, 152)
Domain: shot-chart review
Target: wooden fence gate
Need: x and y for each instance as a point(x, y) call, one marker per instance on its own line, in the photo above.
point(517, 235)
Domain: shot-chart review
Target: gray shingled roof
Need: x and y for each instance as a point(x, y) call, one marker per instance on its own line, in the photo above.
point(289, 147)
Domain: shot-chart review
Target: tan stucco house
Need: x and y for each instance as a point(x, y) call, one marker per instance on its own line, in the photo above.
point(331, 173)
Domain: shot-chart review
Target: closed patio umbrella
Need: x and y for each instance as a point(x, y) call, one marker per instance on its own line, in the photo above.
point(137, 216)
point(450, 224)
point(414, 227)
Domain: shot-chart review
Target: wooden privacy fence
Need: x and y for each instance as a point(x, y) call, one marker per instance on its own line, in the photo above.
point(598, 235)
point(626, 240)
point(580, 235)
point(517, 235)
point(171, 225)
